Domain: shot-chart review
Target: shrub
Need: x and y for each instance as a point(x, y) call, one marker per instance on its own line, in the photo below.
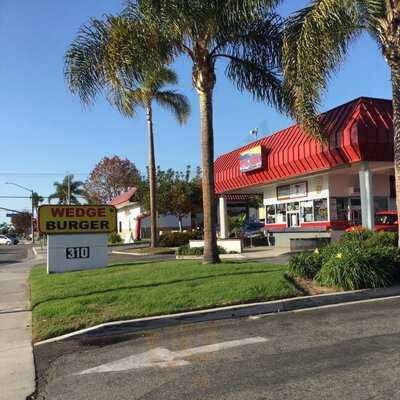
point(114, 238)
point(305, 265)
point(355, 266)
point(176, 239)
point(185, 250)
point(358, 235)
point(382, 239)
point(369, 238)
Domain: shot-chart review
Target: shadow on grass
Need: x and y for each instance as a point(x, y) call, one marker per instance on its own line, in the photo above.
point(156, 284)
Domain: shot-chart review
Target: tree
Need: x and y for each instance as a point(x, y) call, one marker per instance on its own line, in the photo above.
point(317, 39)
point(109, 178)
point(37, 199)
point(22, 223)
point(185, 195)
point(67, 191)
point(179, 193)
point(91, 67)
point(244, 33)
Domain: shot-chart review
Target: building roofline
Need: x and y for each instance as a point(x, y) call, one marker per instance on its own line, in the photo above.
point(356, 100)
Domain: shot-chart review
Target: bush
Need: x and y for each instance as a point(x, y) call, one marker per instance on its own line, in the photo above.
point(114, 238)
point(355, 236)
point(305, 265)
point(176, 239)
point(355, 266)
point(382, 239)
point(369, 238)
point(185, 250)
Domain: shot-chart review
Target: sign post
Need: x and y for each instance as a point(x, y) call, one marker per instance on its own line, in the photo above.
point(77, 235)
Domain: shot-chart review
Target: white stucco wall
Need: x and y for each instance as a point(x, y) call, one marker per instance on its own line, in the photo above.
point(126, 222)
point(317, 188)
point(168, 222)
point(126, 217)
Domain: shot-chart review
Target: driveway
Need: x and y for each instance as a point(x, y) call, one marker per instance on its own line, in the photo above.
point(341, 352)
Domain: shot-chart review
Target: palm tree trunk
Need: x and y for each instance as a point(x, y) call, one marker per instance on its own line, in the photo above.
point(207, 153)
point(152, 177)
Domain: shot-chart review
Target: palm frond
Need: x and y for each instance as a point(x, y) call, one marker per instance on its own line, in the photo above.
point(84, 68)
point(175, 102)
point(253, 49)
point(315, 43)
point(126, 101)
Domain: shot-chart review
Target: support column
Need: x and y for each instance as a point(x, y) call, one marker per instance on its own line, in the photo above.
point(367, 197)
point(223, 218)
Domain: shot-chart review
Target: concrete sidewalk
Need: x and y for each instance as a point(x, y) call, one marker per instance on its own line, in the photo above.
point(17, 371)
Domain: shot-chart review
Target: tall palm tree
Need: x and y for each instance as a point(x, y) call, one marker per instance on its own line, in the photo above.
point(246, 34)
point(90, 69)
point(317, 39)
point(151, 90)
point(67, 191)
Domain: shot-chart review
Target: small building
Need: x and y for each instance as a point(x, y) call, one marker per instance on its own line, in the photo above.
point(313, 189)
point(134, 222)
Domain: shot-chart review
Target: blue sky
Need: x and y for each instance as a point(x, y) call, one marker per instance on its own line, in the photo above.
point(45, 132)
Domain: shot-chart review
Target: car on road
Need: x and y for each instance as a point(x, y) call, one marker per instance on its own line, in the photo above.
point(385, 221)
point(5, 240)
point(14, 238)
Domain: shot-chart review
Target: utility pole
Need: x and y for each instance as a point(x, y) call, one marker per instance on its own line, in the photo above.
point(33, 207)
point(69, 188)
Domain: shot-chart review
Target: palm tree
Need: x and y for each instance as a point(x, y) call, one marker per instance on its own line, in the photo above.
point(88, 74)
point(317, 39)
point(67, 191)
point(246, 34)
point(143, 96)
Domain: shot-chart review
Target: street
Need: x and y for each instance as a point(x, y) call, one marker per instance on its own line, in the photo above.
point(13, 254)
point(340, 352)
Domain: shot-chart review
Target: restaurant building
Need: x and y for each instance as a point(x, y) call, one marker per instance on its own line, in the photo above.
point(310, 188)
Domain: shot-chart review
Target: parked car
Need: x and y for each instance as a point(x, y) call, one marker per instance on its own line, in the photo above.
point(5, 240)
point(385, 221)
point(254, 229)
point(13, 237)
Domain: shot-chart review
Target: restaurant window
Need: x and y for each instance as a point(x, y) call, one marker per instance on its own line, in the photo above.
point(293, 206)
point(321, 210)
point(283, 192)
point(342, 211)
point(281, 213)
point(307, 211)
point(380, 204)
point(271, 214)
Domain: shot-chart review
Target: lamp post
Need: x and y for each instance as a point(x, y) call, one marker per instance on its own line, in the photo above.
point(33, 207)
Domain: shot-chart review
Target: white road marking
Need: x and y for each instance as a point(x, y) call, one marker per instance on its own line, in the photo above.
point(164, 358)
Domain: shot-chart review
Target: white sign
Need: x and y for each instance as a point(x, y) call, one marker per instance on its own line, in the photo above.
point(76, 252)
point(293, 191)
point(164, 358)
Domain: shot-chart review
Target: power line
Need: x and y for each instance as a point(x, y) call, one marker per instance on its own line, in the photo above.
point(43, 173)
point(15, 197)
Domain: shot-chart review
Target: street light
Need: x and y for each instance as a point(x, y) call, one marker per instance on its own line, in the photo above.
point(33, 206)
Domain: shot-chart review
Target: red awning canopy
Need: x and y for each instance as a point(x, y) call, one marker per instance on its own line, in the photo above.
point(361, 130)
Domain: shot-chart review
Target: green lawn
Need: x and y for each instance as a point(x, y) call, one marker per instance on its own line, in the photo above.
point(63, 303)
point(151, 250)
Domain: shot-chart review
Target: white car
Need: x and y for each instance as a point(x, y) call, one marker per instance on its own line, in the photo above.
point(5, 240)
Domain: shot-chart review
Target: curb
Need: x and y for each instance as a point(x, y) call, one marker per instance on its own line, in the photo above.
point(141, 254)
point(221, 256)
point(238, 311)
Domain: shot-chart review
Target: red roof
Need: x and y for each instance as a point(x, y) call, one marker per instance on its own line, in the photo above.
point(361, 130)
point(124, 197)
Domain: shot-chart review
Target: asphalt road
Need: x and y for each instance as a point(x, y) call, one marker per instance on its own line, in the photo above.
point(13, 254)
point(341, 352)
